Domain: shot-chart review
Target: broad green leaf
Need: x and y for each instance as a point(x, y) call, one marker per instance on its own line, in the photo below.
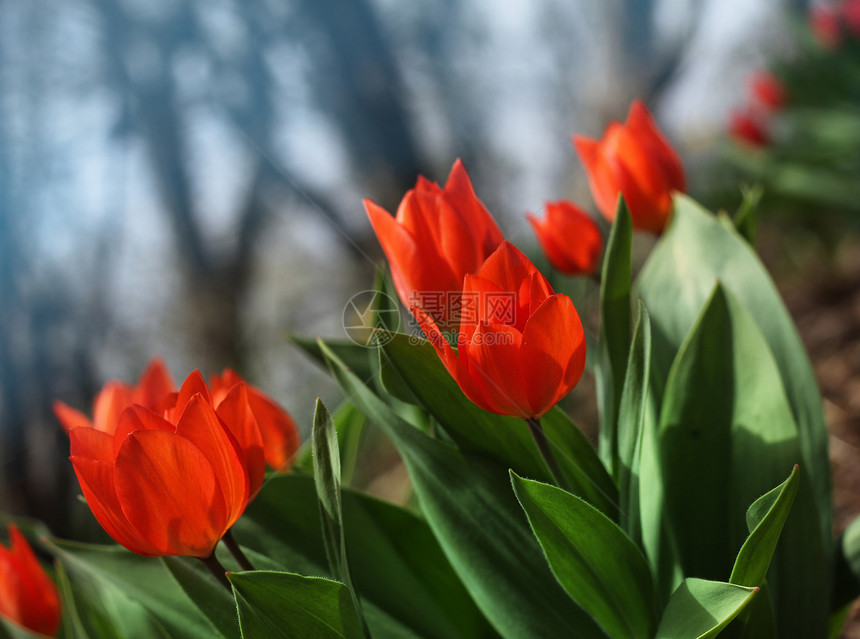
point(281, 604)
point(700, 609)
point(597, 564)
point(93, 612)
point(726, 436)
point(206, 592)
point(765, 519)
point(143, 579)
point(503, 439)
point(632, 414)
point(472, 511)
point(676, 282)
point(355, 356)
point(614, 342)
point(406, 584)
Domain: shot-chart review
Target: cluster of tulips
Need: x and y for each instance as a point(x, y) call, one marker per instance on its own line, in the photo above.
point(170, 471)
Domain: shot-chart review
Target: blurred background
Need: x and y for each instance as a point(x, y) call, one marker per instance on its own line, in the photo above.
point(185, 178)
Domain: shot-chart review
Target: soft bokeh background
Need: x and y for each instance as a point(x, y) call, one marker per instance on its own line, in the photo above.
point(185, 178)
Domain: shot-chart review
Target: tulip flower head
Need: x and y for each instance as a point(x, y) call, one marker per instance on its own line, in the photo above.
point(635, 160)
point(521, 347)
point(570, 238)
point(767, 91)
point(27, 595)
point(749, 128)
point(437, 237)
point(170, 481)
point(280, 437)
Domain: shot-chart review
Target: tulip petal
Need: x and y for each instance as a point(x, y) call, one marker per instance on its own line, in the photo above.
point(92, 443)
point(200, 425)
point(113, 398)
point(169, 493)
point(493, 362)
point(552, 355)
point(136, 418)
point(483, 230)
point(96, 479)
point(69, 417)
point(455, 365)
point(27, 594)
point(236, 413)
point(601, 177)
point(414, 267)
point(193, 385)
point(154, 385)
point(279, 432)
point(643, 127)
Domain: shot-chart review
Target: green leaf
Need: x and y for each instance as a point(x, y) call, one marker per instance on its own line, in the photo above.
point(353, 355)
point(504, 439)
point(745, 218)
point(281, 604)
point(597, 564)
point(407, 586)
point(206, 592)
point(700, 609)
point(676, 282)
point(614, 330)
point(143, 579)
point(327, 482)
point(632, 414)
point(765, 519)
point(473, 513)
point(726, 436)
point(847, 566)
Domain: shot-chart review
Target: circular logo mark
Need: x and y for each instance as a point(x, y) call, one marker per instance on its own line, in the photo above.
point(366, 311)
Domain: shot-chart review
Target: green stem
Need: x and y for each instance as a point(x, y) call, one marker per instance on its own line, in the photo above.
point(236, 551)
point(218, 571)
point(545, 450)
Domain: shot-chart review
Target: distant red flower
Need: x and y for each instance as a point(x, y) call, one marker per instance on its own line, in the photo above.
point(748, 128)
point(522, 349)
point(438, 236)
point(570, 238)
point(280, 437)
point(27, 595)
point(635, 160)
point(767, 90)
point(825, 26)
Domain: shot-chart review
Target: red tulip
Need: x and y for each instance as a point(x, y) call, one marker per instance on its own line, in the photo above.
point(280, 437)
point(570, 238)
point(172, 482)
point(767, 91)
point(748, 128)
point(521, 347)
point(635, 160)
point(151, 391)
point(438, 236)
point(27, 595)
point(824, 22)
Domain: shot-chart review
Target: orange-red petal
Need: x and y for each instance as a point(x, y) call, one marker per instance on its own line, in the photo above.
point(170, 494)
point(236, 413)
point(69, 417)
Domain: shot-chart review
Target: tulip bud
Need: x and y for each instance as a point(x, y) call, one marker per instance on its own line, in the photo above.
point(633, 159)
point(570, 238)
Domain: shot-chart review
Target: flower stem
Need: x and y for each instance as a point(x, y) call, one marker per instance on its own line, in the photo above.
point(545, 450)
point(236, 551)
point(218, 571)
